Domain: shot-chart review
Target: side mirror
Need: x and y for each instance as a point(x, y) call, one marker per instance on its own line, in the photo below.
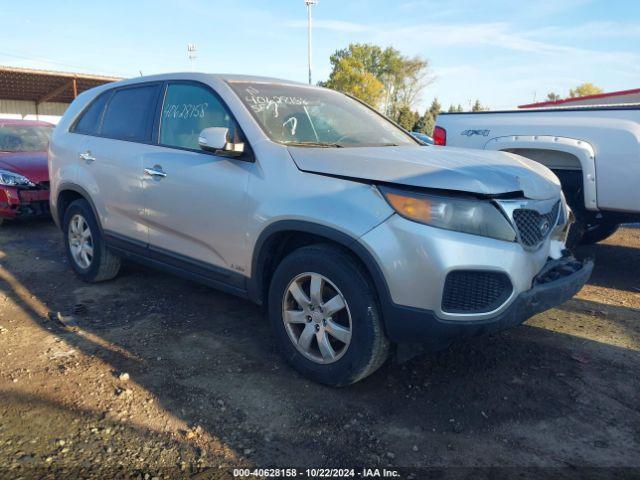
point(215, 139)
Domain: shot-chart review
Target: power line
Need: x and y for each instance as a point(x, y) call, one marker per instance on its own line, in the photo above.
point(53, 62)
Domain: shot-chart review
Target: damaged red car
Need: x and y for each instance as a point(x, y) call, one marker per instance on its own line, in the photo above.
point(24, 176)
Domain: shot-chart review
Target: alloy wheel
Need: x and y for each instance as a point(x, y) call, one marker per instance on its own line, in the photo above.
point(80, 241)
point(317, 318)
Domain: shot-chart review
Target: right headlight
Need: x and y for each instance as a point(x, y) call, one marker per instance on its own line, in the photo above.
point(468, 215)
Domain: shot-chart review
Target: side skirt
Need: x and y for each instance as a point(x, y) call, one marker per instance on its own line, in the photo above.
point(219, 278)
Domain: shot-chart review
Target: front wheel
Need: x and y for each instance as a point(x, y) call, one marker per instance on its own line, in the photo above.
point(325, 316)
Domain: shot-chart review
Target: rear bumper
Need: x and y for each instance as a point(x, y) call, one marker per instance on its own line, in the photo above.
point(556, 283)
point(20, 202)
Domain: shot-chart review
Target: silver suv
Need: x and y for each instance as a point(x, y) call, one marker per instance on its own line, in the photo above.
point(351, 233)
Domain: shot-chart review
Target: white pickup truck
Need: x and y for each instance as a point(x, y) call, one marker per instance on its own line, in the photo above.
point(594, 150)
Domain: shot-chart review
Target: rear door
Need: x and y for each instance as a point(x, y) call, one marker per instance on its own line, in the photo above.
point(113, 159)
point(197, 208)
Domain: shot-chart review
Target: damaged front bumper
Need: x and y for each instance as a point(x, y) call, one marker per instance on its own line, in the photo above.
point(19, 202)
point(558, 281)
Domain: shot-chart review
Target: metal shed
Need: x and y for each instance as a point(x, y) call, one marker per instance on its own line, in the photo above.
point(41, 94)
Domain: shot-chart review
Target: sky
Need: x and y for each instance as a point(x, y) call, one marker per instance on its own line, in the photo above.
point(503, 53)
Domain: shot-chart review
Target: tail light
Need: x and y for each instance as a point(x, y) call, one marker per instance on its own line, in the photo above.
point(439, 136)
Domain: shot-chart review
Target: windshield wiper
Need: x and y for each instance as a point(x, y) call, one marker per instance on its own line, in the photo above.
point(313, 144)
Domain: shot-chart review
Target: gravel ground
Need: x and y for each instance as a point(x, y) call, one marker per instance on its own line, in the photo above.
point(153, 376)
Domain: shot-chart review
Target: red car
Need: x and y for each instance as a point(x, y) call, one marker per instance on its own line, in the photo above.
point(24, 176)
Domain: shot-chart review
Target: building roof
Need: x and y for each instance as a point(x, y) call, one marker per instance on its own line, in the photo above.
point(45, 85)
point(27, 123)
point(564, 101)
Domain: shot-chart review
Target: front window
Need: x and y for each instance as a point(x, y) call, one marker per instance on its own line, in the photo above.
point(24, 138)
point(187, 110)
point(308, 116)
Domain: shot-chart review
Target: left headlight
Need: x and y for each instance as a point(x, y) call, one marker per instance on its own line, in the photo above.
point(467, 215)
point(14, 179)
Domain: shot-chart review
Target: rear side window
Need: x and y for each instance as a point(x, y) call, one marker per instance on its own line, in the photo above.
point(188, 109)
point(129, 114)
point(89, 122)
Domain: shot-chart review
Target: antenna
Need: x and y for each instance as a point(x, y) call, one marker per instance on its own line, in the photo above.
point(192, 53)
point(309, 4)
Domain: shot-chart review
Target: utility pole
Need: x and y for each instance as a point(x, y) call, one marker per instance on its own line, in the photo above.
point(192, 53)
point(309, 4)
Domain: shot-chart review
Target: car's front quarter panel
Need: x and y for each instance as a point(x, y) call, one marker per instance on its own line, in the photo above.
point(280, 192)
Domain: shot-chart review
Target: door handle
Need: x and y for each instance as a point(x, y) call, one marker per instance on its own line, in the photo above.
point(155, 172)
point(87, 157)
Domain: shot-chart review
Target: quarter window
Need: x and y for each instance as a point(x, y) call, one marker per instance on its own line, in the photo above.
point(188, 109)
point(129, 114)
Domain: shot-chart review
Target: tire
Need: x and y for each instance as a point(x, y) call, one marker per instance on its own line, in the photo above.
point(576, 232)
point(102, 264)
point(598, 232)
point(367, 347)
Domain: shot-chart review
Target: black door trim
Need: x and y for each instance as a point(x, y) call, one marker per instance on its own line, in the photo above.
point(220, 278)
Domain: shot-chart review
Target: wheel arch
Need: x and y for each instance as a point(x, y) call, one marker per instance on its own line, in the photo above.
point(566, 148)
point(284, 236)
point(68, 193)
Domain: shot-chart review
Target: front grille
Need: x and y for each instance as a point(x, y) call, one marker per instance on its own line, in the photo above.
point(534, 227)
point(475, 291)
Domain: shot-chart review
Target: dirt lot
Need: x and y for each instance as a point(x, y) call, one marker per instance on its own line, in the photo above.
point(163, 377)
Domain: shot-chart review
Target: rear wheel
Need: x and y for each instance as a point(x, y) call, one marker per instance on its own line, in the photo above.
point(325, 316)
point(87, 253)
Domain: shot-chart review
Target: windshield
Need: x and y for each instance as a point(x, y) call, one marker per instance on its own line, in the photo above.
point(315, 117)
point(24, 138)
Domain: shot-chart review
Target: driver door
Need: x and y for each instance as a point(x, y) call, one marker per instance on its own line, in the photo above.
point(195, 201)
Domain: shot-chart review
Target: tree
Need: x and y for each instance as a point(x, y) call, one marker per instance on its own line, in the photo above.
point(584, 90)
point(435, 108)
point(427, 122)
point(420, 125)
point(454, 109)
point(402, 78)
point(351, 76)
point(429, 125)
point(406, 117)
point(477, 107)
point(553, 97)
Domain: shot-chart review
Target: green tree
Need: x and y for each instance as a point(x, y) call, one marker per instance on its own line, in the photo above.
point(435, 108)
point(553, 97)
point(427, 122)
point(420, 124)
point(406, 117)
point(584, 90)
point(455, 109)
point(402, 78)
point(350, 76)
point(477, 107)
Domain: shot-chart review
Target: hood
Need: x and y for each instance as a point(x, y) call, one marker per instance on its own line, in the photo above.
point(475, 171)
point(32, 165)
